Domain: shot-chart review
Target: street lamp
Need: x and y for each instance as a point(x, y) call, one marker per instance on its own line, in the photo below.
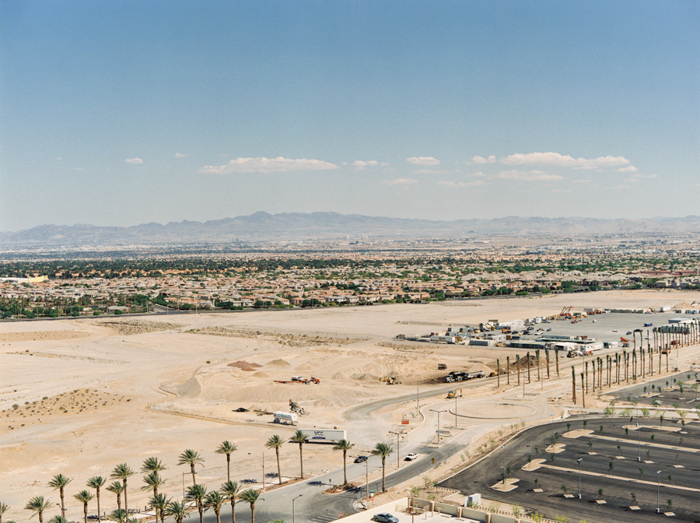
point(293, 500)
point(183, 483)
point(639, 445)
point(367, 479)
point(579, 460)
point(658, 488)
point(398, 449)
point(503, 447)
point(438, 430)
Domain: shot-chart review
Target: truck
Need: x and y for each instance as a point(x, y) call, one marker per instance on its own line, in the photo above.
point(324, 435)
point(288, 418)
point(454, 394)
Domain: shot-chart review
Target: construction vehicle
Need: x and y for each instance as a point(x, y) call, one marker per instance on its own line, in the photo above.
point(288, 418)
point(442, 366)
point(394, 381)
point(295, 408)
point(454, 394)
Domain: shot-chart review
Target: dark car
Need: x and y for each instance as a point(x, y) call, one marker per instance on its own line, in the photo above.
point(385, 518)
point(360, 459)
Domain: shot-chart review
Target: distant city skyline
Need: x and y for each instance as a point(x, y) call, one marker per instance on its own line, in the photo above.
point(122, 113)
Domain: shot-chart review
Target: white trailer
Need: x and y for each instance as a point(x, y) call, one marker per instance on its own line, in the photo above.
point(288, 418)
point(324, 435)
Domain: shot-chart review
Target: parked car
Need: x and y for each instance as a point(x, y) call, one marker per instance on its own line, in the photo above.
point(385, 517)
point(410, 456)
point(360, 459)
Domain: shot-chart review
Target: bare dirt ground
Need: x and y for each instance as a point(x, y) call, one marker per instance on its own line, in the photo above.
point(94, 393)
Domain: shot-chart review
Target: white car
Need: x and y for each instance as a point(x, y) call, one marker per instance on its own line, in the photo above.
point(410, 457)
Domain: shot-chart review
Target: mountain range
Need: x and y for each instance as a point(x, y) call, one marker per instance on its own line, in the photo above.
point(329, 225)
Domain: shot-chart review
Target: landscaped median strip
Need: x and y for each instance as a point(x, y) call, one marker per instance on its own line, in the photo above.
point(618, 478)
point(642, 443)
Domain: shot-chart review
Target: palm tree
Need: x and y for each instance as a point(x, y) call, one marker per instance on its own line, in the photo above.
point(96, 482)
point(176, 510)
point(152, 481)
point(38, 505)
point(383, 450)
point(300, 438)
point(230, 491)
point(275, 442)
point(160, 502)
point(119, 515)
point(250, 496)
point(227, 448)
point(123, 471)
point(197, 493)
point(58, 519)
point(214, 500)
point(84, 497)
point(152, 465)
point(191, 458)
point(59, 482)
point(117, 488)
point(3, 508)
point(343, 445)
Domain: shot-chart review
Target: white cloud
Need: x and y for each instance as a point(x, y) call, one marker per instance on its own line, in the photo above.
point(581, 180)
point(59, 158)
point(180, 155)
point(558, 160)
point(359, 164)
point(647, 176)
point(268, 165)
point(481, 159)
point(399, 181)
point(135, 161)
point(475, 183)
point(530, 176)
point(433, 171)
point(385, 164)
point(423, 160)
point(478, 174)
point(628, 169)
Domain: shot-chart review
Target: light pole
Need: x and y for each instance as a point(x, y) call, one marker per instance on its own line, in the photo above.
point(293, 500)
point(579, 460)
point(438, 429)
point(398, 449)
point(639, 445)
point(658, 488)
point(183, 483)
point(456, 410)
point(263, 467)
point(367, 478)
point(503, 448)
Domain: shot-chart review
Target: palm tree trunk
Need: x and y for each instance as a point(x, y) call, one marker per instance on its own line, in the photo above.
point(279, 469)
point(194, 479)
point(301, 460)
point(99, 514)
point(345, 468)
point(85, 511)
point(252, 513)
point(200, 509)
point(556, 352)
point(63, 504)
point(228, 467)
point(218, 516)
point(383, 471)
point(233, 510)
point(119, 501)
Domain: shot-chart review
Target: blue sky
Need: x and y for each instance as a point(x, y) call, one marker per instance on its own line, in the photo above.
point(119, 113)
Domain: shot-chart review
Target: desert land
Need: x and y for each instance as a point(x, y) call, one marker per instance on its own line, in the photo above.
point(79, 396)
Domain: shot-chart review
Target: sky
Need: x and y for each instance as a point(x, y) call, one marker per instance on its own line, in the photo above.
point(128, 112)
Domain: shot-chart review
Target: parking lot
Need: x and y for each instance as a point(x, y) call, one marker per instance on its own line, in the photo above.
point(666, 391)
point(619, 464)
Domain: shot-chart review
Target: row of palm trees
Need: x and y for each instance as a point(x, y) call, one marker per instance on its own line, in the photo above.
point(152, 467)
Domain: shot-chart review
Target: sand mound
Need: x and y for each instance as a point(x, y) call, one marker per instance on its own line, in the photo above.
point(191, 388)
point(244, 365)
point(279, 363)
point(261, 375)
point(132, 327)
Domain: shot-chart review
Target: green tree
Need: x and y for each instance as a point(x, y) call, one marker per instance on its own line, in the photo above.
point(227, 448)
point(300, 438)
point(230, 491)
point(3, 508)
point(343, 445)
point(383, 450)
point(84, 497)
point(97, 482)
point(215, 500)
point(250, 496)
point(152, 482)
point(123, 472)
point(59, 482)
point(38, 505)
point(160, 502)
point(152, 465)
point(177, 511)
point(191, 458)
point(197, 493)
point(276, 442)
point(117, 488)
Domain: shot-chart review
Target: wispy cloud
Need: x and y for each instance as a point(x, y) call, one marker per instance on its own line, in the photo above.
point(621, 187)
point(481, 159)
point(434, 171)
point(135, 161)
point(359, 164)
point(478, 174)
point(475, 183)
point(529, 176)
point(423, 160)
point(581, 180)
point(268, 165)
point(180, 155)
point(559, 160)
point(628, 169)
point(400, 181)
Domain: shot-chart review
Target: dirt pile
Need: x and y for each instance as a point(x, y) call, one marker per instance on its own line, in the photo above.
point(244, 365)
point(132, 327)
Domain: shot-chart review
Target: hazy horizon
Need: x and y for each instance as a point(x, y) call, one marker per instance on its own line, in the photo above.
point(129, 113)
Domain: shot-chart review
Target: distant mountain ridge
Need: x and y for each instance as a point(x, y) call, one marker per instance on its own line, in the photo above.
point(328, 225)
